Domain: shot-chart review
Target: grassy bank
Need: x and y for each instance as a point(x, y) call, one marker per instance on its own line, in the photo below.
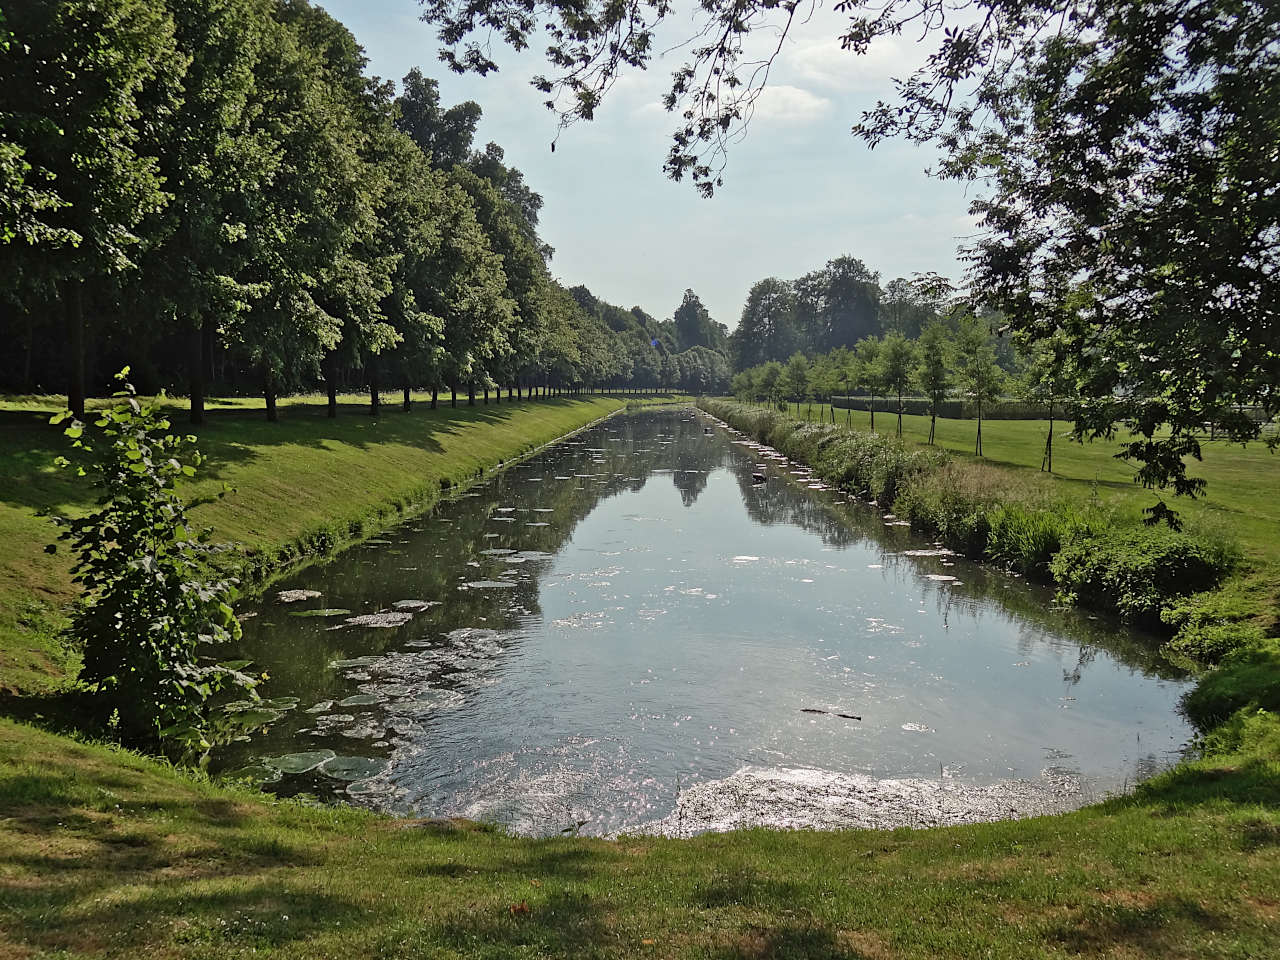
point(303, 486)
point(106, 854)
point(1240, 500)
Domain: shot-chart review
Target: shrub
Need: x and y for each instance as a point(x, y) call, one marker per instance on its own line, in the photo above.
point(148, 610)
point(1248, 680)
point(1208, 626)
point(1136, 572)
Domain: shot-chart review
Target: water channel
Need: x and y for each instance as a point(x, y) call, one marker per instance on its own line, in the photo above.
point(628, 618)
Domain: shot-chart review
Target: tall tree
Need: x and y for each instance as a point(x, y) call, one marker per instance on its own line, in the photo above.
point(77, 94)
point(444, 134)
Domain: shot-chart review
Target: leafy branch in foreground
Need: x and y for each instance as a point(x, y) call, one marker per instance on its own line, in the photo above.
point(150, 612)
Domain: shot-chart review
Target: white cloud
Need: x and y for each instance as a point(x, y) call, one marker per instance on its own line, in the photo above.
point(782, 103)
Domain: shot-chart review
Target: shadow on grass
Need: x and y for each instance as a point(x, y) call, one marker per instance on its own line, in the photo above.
point(28, 444)
point(1155, 929)
point(793, 941)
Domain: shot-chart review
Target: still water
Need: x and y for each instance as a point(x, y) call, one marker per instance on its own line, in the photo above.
point(629, 614)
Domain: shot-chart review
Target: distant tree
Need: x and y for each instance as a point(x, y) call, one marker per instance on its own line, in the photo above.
point(767, 330)
point(980, 377)
point(897, 364)
point(838, 305)
point(694, 326)
point(933, 370)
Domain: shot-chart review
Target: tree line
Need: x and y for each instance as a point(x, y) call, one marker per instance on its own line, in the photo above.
point(954, 356)
point(836, 306)
point(215, 193)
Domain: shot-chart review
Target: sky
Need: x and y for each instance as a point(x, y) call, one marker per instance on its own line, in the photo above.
point(799, 189)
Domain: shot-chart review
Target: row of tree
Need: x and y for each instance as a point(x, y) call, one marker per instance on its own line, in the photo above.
point(836, 306)
point(955, 357)
point(214, 192)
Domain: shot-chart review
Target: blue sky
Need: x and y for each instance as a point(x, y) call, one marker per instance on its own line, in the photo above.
point(798, 190)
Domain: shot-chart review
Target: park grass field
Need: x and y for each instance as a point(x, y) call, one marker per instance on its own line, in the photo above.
point(291, 479)
point(1242, 499)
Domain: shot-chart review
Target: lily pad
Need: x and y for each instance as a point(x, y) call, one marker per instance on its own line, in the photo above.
point(359, 700)
point(299, 762)
point(352, 768)
point(321, 707)
point(296, 596)
point(322, 612)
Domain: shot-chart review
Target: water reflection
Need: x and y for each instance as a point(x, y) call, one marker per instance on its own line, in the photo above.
point(578, 643)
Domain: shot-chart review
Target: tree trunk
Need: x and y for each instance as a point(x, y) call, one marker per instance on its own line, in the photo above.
point(269, 395)
point(977, 447)
point(873, 413)
point(933, 423)
point(435, 397)
point(406, 404)
point(899, 414)
point(375, 396)
point(331, 387)
point(73, 297)
point(471, 394)
point(1048, 443)
point(196, 369)
point(486, 395)
point(453, 395)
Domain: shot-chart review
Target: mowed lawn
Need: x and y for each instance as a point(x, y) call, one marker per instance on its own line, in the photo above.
point(291, 478)
point(1242, 499)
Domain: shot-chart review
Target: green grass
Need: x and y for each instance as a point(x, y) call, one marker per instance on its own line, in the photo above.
point(306, 483)
point(1242, 499)
point(103, 853)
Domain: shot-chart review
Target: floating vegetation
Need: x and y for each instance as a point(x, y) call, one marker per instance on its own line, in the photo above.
point(257, 774)
point(297, 596)
point(383, 619)
point(322, 612)
point(488, 585)
point(353, 662)
point(414, 606)
point(294, 763)
point(917, 728)
point(942, 578)
point(497, 552)
point(352, 768)
point(320, 707)
point(359, 700)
